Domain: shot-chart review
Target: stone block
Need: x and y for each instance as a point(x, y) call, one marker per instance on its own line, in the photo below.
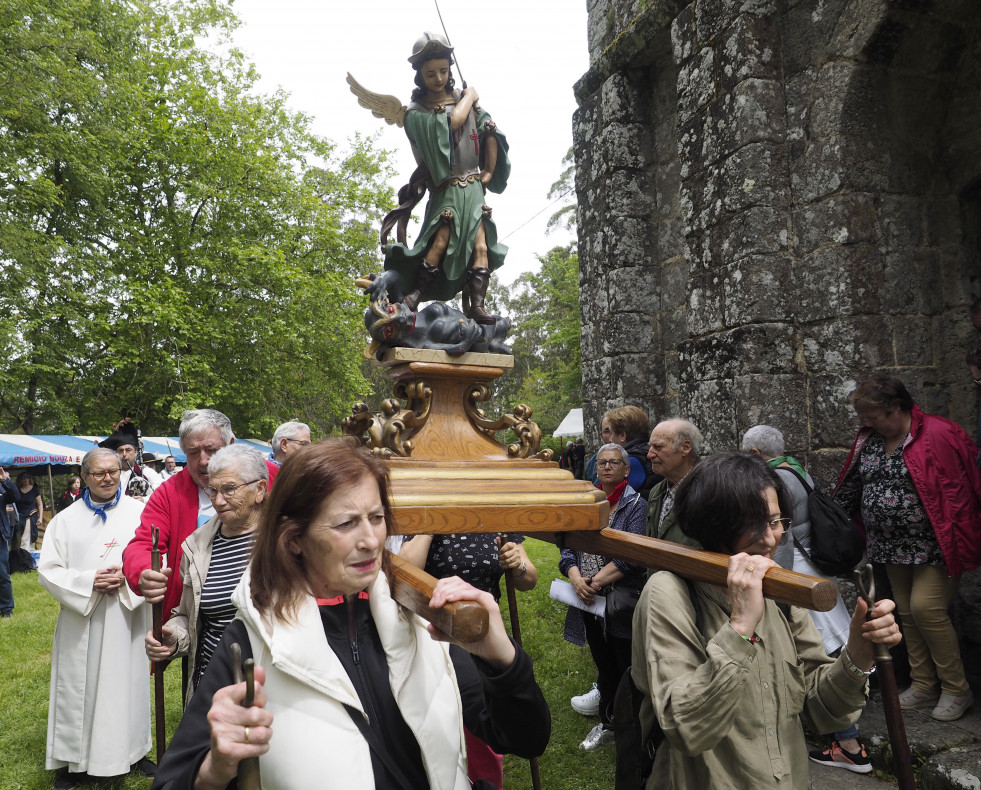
point(757, 109)
point(959, 767)
point(710, 405)
point(705, 304)
point(837, 281)
point(638, 376)
point(673, 328)
point(712, 17)
point(696, 83)
point(757, 231)
point(667, 186)
point(669, 238)
point(798, 94)
point(683, 35)
point(756, 175)
point(623, 331)
point(778, 400)
point(942, 220)
point(673, 283)
point(860, 343)
point(913, 339)
point(750, 49)
point(620, 100)
point(805, 29)
point(845, 218)
point(901, 286)
point(833, 422)
point(626, 146)
point(635, 288)
point(630, 242)
point(758, 288)
point(702, 199)
point(630, 194)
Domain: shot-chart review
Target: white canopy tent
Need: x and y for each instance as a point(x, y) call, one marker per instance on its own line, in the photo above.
point(571, 424)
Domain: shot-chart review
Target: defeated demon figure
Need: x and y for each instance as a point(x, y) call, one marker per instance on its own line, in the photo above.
point(437, 326)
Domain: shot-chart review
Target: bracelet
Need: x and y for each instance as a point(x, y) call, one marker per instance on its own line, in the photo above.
point(524, 570)
point(853, 669)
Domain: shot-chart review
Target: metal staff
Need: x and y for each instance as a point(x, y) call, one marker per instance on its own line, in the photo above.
point(248, 769)
point(158, 668)
point(895, 724)
point(536, 779)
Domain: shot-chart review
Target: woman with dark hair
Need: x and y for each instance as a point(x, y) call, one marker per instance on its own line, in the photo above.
point(358, 691)
point(727, 674)
point(912, 483)
point(30, 506)
point(72, 493)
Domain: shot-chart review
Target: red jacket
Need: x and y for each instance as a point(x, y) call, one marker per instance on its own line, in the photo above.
point(941, 459)
point(173, 508)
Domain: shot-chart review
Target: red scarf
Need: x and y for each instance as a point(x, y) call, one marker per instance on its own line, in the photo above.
point(617, 492)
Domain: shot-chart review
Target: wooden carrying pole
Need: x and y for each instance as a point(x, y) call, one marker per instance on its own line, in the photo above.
point(464, 621)
point(701, 566)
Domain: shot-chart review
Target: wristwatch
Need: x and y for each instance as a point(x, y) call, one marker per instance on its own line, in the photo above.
point(524, 570)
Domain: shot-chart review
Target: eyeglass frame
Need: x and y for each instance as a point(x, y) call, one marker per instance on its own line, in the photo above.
point(228, 494)
point(100, 476)
point(300, 442)
point(611, 463)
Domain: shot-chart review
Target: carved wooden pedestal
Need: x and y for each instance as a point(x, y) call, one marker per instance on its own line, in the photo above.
point(448, 472)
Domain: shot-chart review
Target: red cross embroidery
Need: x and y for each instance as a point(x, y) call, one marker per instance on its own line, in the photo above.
point(474, 137)
point(109, 547)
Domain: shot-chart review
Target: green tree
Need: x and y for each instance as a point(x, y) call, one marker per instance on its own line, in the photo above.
point(564, 189)
point(544, 308)
point(170, 237)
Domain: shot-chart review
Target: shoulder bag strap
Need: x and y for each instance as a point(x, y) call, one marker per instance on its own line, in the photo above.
point(376, 746)
point(810, 490)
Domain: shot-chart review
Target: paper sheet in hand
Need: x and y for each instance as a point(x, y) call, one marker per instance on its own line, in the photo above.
point(563, 592)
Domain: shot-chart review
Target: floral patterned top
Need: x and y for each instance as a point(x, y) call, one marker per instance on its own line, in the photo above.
point(898, 531)
point(471, 556)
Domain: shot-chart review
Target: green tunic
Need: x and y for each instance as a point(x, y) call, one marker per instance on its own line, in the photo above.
point(433, 145)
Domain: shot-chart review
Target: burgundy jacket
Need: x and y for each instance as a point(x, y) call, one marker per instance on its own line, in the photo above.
point(941, 459)
point(173, 508)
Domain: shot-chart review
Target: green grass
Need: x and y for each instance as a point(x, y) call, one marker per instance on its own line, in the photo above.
point(563, 670)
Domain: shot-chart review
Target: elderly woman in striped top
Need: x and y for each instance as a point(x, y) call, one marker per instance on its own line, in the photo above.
point(215, 557)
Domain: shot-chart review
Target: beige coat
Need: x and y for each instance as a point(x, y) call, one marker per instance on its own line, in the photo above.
point(183, 622)
point(731, 710)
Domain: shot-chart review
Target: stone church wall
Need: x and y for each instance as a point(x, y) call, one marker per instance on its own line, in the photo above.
point(776, 199)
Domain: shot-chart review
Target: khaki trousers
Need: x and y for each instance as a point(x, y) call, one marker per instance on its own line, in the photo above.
point(923, 596)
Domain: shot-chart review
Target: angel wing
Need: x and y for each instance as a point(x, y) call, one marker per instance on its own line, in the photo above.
point(388, 107)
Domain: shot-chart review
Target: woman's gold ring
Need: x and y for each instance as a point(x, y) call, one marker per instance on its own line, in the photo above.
point(247, 741)
point(751, 568)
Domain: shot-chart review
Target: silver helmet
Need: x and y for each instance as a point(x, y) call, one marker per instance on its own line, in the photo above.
point(430, 46)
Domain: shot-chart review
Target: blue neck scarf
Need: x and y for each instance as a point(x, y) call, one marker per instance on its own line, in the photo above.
point(101, 509)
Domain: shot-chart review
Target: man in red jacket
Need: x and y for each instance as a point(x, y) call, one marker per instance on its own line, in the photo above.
point(177, 508)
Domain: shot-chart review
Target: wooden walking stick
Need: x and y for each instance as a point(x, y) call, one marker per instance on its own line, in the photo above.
point(536, 779)
point(248, 769)
point(895, 724)
point(158, 668)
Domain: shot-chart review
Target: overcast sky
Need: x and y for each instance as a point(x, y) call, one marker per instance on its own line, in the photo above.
point(522, 57)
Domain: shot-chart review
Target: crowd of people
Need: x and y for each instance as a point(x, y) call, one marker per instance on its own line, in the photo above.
point(284, 556)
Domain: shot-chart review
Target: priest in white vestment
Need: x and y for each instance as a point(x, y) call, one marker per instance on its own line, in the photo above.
point(99, 703)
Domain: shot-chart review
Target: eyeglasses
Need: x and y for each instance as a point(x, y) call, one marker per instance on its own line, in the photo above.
point(301, 442)
point(779, 523)
point(111, 473)
point(615, 462)
point(228, 490)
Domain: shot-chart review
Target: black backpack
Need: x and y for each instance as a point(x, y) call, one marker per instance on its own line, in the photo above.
point(635, 754)
point(837, 545)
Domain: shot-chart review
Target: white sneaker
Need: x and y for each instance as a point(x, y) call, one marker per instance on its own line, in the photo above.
point(597, 737)
point(587, 704)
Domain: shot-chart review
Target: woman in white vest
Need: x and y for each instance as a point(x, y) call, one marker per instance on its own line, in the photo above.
point(352, 690)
